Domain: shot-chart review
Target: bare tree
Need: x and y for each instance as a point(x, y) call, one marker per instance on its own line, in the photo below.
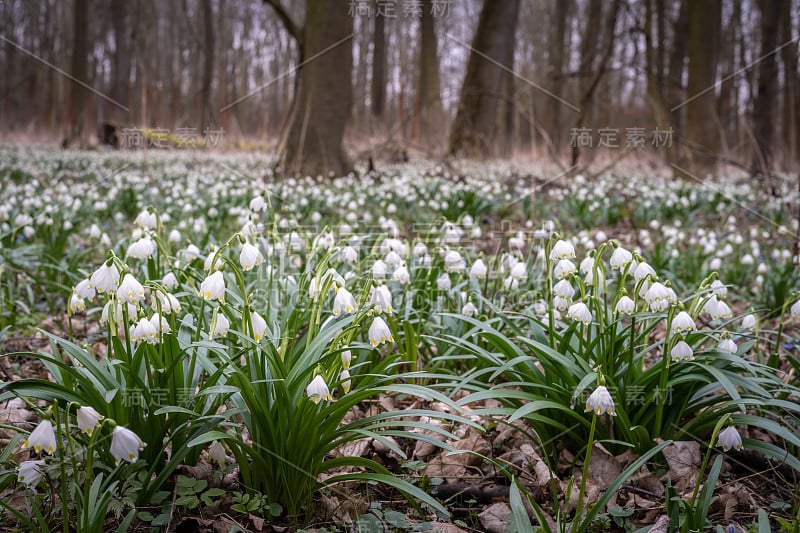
point(476, 124)
point(767, 82)
point(429, 117)
point(378, 86)
point(80, 69)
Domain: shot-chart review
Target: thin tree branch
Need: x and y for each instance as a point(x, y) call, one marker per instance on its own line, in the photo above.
point(291, 26)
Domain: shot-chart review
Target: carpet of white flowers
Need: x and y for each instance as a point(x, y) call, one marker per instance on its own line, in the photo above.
point(191, 340)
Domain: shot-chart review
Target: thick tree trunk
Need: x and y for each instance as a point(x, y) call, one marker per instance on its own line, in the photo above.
point(122, 60)
point(555, 73)
point(312, 143)
point(476, 125)
point(80, 52)
point(378, 90)
point(767, 83)
point(428, 109)
point(791, 98)
point(675, 89)
point(207, 115)
point(702, 133)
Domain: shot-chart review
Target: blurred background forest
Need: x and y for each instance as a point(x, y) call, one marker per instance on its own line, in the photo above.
point(324, 83)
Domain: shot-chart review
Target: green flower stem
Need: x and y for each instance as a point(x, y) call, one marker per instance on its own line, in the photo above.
point(62, 468)
point(714, 434)
point(664, 376)
point(585, 474)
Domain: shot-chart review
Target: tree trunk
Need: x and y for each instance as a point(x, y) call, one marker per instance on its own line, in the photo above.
point(767, 85)
point(675, 88)
point(428, 109)
point(122, 60)
point(476, 125)
point(312, 143)
point(701, 123)
point(80, 68)
point(207, 115)
point(378, 91)
point(555, 72)
point(791, 98)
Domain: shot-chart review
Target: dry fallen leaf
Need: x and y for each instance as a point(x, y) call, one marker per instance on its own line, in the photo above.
point(683, 458)
point(494, 518)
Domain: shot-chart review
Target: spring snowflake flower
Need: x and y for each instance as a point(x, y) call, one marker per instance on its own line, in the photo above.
point(250, 257)
point(643, 270)
point(379, 269)
point(600, 401)
point(213, 287)
point(381, 299)
point(719, 288)
point(130, 290)
point(85, 290)
point(717, 308)
point(30, 472)
point(167, 302)
point(443, 282)
point(729, 438)
point(478, 269)
point(561, 303)
point(562, 250)
point(682, 352)
point(469, 309)
point(580, 312)
point(258, 204)
point(563, 268)
point(587, 266)
point(393, 259)
point(379, 332)
point(750, 322)
point(146, 220)
point(519, 272)
point(344, 377)
point(144, 331)
point(349, 254)
point(318, 390)
point(174, 237)
point(795, 309)
point(169, 281)
point(216, 453)
point(76, 304)
point(143, 248)
point(683, 322)
point(105, 279)
point(625, 306)
point(220, 326)
point(657, 297)
point(125, 445)
point(88, 419)
point(402, 275)
point(564, 289)
point(728, 346)
point(160, 324)
point(344, 301)
point(420, 249)
point(347, 358)
point(259, 325)
point(454, 262)
point(620, 258)
point(42, 438)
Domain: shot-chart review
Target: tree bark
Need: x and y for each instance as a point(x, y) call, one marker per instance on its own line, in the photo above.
point(428, 109)
point(552, 115)
point(80, 67)
point(378, 88)
point(767, 85)
point(476, 125)
point(312, 143)
point(207, 115)
point(791, 98)
point(122, 60)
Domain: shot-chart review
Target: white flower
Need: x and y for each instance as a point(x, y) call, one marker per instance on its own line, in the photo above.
point(144, 331)
point(561, 303)
point(657, 296)
point(130, 290)
point(563, 268)
point(587, 266)
point(170, 281)
point(259, 325)
point(349, 254)
point(42, 438)
point(478, 269)
point(314, 288)
point(166, 301)
point(347, 358)
point(105, 279)
point(317, 390)
point(85, 290)
point(344, 301)
point(683, 322)
point(220, 326)
point(564, 289)
point(379, 269)
point(625, 306)
point(750, 322)
point(30, 472)
point(402, 275)
point(454, 262)
point(125, 445)
point(420, 249)
point(562, 250)
point(146, 220)
point(160, 324)
point(600, 401)
point(88, 419)
point(443, 282)
point(719, 288)
point(682, 352)
point(717, 308)
point(250, 257)
point(469, 309)
point(213, 287)
point(620, 258)
point(379, 332)
point(142, 249)
point(795, 309)
point(381, 299)
point(748, 259)
point(393, 259)
point(580, 312)
point(76, 304)
point(344, 377)
point(174, 237)
point(728, 346)
point(642, 271)
point(729, 438)
point(519, 272)
point(216, 453)
point(258, 204)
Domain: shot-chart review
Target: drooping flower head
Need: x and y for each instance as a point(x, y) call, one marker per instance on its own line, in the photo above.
point(600, 401)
